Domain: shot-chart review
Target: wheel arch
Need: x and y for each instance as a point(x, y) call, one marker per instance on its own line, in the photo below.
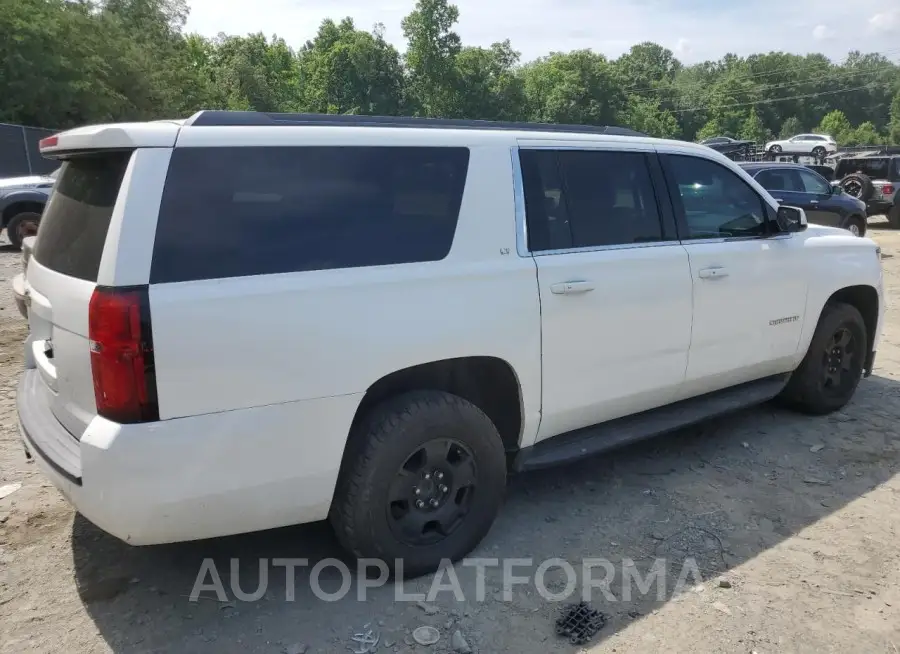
point(488, 382)
point(21, 205)
point(865, 299)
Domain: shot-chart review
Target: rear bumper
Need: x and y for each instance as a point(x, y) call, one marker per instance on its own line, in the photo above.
point(19, 293)
point(193, 478)
point(877, 207)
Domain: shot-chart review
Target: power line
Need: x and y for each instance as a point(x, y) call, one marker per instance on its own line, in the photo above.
point(772, 100)
point(796, 67)
point(846, 77)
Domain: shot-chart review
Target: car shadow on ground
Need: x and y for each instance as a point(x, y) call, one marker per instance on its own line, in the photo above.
point(710, 498)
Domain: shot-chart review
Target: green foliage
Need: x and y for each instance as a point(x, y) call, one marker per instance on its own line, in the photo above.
point(865, 134)
point(712, 128)
point(70, 62)
point(575, 87)
point(837, 125)
point(790, 127)
point(752, 129)
point(894, 127)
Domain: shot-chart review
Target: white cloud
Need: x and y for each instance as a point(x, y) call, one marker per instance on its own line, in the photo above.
point(707, 29)
point(886, 22)
point(683, 47)
point(822, 33)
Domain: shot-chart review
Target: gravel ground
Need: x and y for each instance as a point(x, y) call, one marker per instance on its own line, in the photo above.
point(792, 523)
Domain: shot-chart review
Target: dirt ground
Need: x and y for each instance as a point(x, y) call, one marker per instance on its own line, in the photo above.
point(797, 518)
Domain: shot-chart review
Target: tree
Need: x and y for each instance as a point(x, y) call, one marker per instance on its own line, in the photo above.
point(490, 89)
point(865, 134)
point(431, 58)
point(345, 70)
point(710, 129)
point(753, 129)
point(895, 119)
point(649, 118)
point(790, 127)
point(576, 87)
point(836, 125)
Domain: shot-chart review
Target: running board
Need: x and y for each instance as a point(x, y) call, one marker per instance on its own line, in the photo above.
point(588, 441)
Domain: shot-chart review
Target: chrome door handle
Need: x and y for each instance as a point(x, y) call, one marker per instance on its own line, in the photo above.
point(814, 202)
point(571, 288)
point(712, 273)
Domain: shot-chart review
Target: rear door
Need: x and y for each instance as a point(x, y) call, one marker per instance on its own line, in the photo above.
point(62, 274)
point(615, 284)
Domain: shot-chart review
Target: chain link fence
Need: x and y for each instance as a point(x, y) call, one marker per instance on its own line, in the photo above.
point(19, 153)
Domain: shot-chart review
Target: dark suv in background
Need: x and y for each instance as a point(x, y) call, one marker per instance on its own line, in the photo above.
point(874, 179)
point(797, 186)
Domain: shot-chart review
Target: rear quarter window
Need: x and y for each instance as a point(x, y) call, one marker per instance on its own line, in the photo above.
point(232, 212)
point(76, 219)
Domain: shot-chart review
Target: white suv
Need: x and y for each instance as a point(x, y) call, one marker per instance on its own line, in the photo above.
point(242, 321)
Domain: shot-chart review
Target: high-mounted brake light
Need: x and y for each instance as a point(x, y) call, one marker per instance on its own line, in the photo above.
point(122, 354)
point(49, 142)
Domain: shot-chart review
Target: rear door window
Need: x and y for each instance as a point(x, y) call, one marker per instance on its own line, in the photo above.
point(76, 219)
point(232, 212)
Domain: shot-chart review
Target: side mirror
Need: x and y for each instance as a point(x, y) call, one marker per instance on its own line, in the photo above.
point(791, 219)
point(836, 189)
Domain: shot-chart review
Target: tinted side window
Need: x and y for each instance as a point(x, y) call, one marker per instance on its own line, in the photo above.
point(783, 179)
point(812, 183)
point(609, 197)
point(231, 212)
point(76, 219)
point(716, 202)
point(589, 198)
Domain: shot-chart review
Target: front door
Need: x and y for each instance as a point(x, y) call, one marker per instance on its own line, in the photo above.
point(615, 284)
point(749, 286)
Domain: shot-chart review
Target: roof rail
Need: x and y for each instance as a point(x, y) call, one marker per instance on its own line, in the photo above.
point(210, 118)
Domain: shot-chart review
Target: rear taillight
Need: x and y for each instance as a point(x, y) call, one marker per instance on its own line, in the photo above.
point(122, 354)
point(49, 142)
point(887, 189)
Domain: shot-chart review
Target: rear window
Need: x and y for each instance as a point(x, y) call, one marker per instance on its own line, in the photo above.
point(75, 221)
point(232, 212)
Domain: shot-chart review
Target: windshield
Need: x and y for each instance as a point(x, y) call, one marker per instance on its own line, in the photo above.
point(54, 174)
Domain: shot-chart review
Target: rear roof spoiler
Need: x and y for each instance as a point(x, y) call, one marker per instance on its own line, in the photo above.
point(119, 136)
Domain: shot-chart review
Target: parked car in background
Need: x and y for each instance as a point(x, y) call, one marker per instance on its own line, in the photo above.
point(824, 170)
point(19, 284)
point(798, 186)
point(727, 145)
point(817, 145)
point(874, 179)
point(22, 201)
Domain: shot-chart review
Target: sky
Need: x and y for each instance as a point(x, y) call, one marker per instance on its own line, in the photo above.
point(695, 30)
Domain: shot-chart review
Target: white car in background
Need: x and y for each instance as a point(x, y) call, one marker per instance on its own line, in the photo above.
point(817, 145)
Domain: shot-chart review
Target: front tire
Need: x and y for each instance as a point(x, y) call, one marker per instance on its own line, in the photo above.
point(423, 478)
point(857, 225)
point(830, 372)
point(775, 149)
point(21, 226)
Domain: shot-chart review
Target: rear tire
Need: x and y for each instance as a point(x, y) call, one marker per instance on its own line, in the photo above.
point(894, 216)
point(422, 480)
point(830, 372)
point(21, 226)
point(818, 152)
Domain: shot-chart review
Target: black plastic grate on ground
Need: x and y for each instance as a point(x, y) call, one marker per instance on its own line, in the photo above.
point(580, 623)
